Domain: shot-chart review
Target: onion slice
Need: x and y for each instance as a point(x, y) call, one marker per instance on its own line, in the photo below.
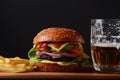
point(56, 54)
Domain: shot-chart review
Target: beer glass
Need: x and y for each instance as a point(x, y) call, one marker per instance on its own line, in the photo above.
point(105, 44)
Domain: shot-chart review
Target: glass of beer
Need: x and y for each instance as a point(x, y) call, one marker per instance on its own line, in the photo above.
point(105, 44)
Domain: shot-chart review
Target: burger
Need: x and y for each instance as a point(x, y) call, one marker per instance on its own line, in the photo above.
point(57, 50)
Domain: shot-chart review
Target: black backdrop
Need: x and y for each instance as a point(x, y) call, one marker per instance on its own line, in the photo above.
point(21, 20)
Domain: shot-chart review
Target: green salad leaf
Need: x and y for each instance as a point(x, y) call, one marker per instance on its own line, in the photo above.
point(67, 47)
point(32, 52)
point(82, 59)
point(32, 56)
point(33, 60)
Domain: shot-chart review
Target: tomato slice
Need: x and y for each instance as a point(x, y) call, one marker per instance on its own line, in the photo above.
point(75, 51)
point(41, 45)
point(44, 45)
point(57, 45)
point(37, 47)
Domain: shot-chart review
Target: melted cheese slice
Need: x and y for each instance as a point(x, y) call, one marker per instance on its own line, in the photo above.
point(55, 62)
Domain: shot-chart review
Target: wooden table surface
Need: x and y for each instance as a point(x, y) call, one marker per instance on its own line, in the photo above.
point(85, 72)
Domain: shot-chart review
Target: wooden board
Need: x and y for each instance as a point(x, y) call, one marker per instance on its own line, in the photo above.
point(85, 72)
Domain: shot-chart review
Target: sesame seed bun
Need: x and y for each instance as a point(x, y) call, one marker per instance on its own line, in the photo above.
point(58, 35)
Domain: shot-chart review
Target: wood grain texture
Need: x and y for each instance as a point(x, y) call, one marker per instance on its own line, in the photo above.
point(85, 72)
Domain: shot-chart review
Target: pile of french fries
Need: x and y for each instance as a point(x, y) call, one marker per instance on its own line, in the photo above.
point(15, 64)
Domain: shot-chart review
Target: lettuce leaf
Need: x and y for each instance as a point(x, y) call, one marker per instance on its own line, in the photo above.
point(67, 47)
point(33, 60)
point(32, 52)
point(32, 56)
point(82, 59)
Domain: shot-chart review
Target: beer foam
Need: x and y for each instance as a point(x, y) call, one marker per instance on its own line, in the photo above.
point(117, 45)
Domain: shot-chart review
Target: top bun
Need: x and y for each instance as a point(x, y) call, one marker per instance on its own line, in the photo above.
point(58, 35)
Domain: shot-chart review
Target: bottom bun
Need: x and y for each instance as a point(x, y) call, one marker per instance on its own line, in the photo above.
point(53, 67)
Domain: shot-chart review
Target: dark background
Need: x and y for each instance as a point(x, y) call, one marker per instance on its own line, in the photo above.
point(21, 20)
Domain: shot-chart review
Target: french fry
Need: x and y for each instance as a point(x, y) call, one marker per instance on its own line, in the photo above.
point(18, 60)
point(15, 64)
point(2, 59)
